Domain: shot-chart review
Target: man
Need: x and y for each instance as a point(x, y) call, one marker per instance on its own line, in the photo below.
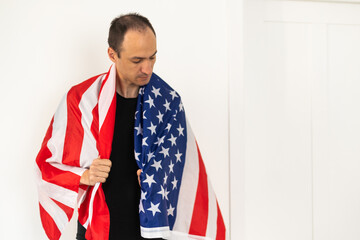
point(97, 118)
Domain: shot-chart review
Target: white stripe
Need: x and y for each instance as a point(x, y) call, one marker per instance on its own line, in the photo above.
point(56, 192)
point(183, 236)
point(91, 205)
point(158, 232)
point(56, 142)
point(188, 188)
point(107, 95)
point(76, 170)
point(212, 217)
point(88, 102)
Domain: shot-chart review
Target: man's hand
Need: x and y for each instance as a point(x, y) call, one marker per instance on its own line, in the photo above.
point(98, 172)
point(138, 174)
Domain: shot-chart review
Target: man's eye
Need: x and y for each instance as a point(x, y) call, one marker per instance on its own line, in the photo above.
point(137, 61)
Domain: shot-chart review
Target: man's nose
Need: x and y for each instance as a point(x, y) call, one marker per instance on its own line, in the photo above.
point(147, 67)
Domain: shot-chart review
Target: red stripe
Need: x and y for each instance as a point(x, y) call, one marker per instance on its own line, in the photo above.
point(220, 233)
point(84, 207)
point(100, 223)
point(68, 210)
point(52, 174)
point(201, 207)
point(95, 123)
point(49, 225)
point(107, 131)
point(74, 129)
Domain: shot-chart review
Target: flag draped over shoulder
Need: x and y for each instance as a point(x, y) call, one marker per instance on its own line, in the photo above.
point(177, 200)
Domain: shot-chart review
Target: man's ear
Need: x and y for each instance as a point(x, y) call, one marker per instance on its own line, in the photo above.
point(112, 54)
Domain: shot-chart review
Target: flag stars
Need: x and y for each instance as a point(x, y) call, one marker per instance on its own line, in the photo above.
point(160, 117)
point(150, 155)
point(144, 117)
point(167, 106)
point(172, 140)
point(156, 91)
point(152, 128)
point(150, 101)
point(154, 208)
point(139, 130)
point(141, 206)
point(180, 129)
point(168, 127)
point(144, 143)
point(174, 183)
point(165, 179)
point(149, 179)
point(137, 155)
point(160, 140)
point(181, 107)
point(170, 210)
point(164, 193)
point(157, 165)
point(164, 151)
point(171, 167)
point(178, 156)
point(173, 94)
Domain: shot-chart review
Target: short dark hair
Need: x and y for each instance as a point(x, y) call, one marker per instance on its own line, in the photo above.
point(123, 23)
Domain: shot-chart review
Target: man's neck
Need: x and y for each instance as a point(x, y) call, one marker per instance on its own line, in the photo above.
point(126, 90)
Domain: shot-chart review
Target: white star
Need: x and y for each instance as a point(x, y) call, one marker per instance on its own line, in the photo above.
point(180, 129)
point(174, 183)
point(139, 130)
point(156, 91)
point(170, 211)
point(167, 106)
point(141, 90)
point(160, 140)
point(141, 207)
point(144, 117)
point(178, 155)
point(150, 101)
point(168, 127)
point(144, 141)
point(173, 94)
point(152, 128)
point(163, 193)
point(136, 114)
point(165, 178)
point(149, 179)
point(171, 166)
point(181, 107)
point(157, 165)
point(160, 117)
point(150, 155)
point(143, 195)
point(154, 208)
point(137, 155)
point(172, 140)
point(164, 151)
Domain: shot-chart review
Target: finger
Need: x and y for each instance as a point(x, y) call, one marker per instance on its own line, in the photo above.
point(105, 162)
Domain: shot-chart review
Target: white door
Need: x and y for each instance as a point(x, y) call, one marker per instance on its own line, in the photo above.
point(300, 110)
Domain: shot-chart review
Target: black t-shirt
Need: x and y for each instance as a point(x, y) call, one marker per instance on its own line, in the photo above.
point(121, 189)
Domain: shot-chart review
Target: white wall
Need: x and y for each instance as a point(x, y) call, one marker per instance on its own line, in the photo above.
point(300, 121)
point(48, 46)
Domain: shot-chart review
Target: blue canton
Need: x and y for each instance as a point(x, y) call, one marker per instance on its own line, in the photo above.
point(160, 146)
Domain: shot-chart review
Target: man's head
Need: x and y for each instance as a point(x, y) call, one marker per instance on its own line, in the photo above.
point(132, 47)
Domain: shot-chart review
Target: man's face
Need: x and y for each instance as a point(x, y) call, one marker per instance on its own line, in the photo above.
point(137, 57)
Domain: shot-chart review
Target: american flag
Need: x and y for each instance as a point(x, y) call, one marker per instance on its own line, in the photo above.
point(177, 200)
